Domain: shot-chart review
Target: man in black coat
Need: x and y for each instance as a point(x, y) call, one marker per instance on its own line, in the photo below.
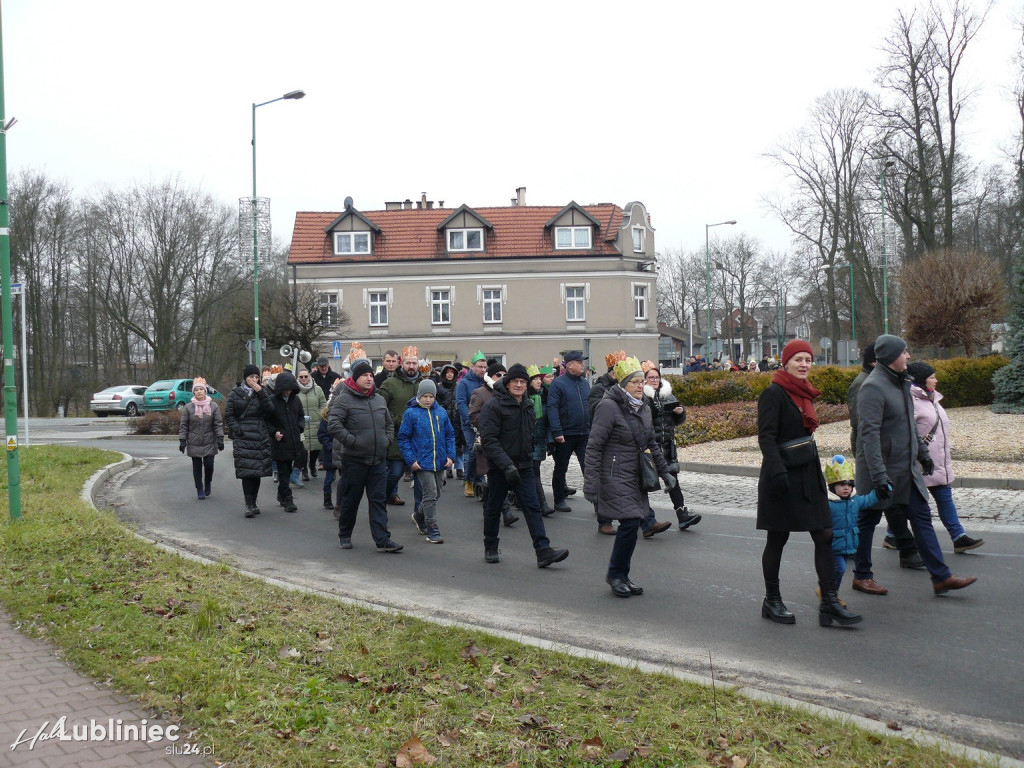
point(506, 426)
point(323, 376)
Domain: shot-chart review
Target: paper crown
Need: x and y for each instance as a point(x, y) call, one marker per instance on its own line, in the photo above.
point(614, 357)
point(547, 370)
point(838, 469)
point(646, 365)
point(410, 351)
point(532, 370)
point(355, 352)
point(199, 381)
point(275, 368)
point(625, 367)
point(425, 366)
point(477, 357)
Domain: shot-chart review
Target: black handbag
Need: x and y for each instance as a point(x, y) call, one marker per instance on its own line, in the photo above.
point(648, 473)
point(797, 453)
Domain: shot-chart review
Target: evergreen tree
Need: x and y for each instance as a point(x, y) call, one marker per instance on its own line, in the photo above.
point(1008, 381)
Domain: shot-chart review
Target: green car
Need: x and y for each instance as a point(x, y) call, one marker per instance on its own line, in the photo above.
point(168, 394)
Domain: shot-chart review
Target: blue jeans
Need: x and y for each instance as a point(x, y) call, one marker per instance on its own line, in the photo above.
point(943, 495)
point(622, 549)
point(469, 462)
point(396, 468)
point(357, 477)
point(840, 561)
point(920, 518)
point(328, 478)
point(526, 492)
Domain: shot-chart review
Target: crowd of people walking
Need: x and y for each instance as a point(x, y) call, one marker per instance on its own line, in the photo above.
point(492, 427)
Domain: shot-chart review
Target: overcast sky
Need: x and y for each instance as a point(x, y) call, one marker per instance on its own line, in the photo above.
point(670, 103)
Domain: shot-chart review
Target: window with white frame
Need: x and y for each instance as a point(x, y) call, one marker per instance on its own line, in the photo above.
point(351, 242)
point(572, 237)
point(330, 304)
point(574, 303)
point(440, 306)
point(378, 303)
point(638, 239)
point(639, 301)
point(492, 305)
point(466, 239)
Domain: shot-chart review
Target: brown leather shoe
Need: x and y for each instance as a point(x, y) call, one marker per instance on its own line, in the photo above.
point(657, 528)
point(869, 587)
point(953, 582)
point(394, 500)
point(607, 529)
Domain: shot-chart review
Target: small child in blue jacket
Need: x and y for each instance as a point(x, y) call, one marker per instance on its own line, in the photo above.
point(839, 473)
point(427, 441)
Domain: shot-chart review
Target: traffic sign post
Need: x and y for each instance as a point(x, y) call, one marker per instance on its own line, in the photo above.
point(336, 352)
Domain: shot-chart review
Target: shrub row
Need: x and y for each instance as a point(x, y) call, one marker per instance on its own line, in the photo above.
point(963, 381)
point(726, 421)
point(157, 423)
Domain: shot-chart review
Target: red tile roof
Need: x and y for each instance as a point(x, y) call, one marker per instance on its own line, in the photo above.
point(412, 235)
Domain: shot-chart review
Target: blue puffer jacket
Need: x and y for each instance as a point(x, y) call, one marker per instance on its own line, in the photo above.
point(426, 436)
point(568, 413)
point(844, 521)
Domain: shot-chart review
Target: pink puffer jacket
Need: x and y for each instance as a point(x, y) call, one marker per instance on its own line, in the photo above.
point(927, 411)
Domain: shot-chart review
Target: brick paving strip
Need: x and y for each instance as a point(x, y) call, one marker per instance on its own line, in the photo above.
point(39, 689)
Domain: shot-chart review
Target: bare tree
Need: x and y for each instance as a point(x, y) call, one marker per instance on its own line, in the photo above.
point(740, 283)
point(952, 298)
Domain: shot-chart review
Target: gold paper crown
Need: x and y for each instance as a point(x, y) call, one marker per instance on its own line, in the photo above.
point(425, 366)
point(199, 381)
point(532, 370)
point(837, 471)
point(646, 365)
point(410, 351)
point(355, 352)
point(614, 357)
point(275, 368)
point(625, 367)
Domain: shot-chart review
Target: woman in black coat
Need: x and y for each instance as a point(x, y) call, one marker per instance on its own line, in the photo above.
point(284, 426)
point(620, 432)
point(791, 492)
point(247, 409)
point(667, 413)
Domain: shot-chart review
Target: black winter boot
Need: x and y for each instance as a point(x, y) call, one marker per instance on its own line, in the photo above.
point(328, 503)
point(289, 504)
point(248, 507)
point(832, 610)
point(773, 608)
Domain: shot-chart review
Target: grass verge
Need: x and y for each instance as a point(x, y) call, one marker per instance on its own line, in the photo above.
point(271, 677)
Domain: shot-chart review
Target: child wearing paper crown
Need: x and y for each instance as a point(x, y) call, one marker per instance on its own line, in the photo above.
point(845, 509)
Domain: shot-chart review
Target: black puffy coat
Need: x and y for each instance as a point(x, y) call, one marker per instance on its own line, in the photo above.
point(246, 413)
point(597, 390)
point(804, 507)
point(288, 418)
point(663, 403)
point(360, 424)
point(611, 469)
point(506, 430)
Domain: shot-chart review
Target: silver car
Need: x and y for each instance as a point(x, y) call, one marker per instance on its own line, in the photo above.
point(125, 399)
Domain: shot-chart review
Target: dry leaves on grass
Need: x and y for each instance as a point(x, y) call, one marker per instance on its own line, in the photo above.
point(471, 653)
point(413, 753)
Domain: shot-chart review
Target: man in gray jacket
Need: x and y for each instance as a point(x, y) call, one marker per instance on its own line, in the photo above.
point(359, 421)
point(890, 458)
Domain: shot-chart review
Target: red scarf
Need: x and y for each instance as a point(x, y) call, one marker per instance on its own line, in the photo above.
point(802, 393)
point(351, 384)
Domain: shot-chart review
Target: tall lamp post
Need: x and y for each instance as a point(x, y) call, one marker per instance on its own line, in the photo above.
point(707, 278)
point(256, 229)
point(885, 262)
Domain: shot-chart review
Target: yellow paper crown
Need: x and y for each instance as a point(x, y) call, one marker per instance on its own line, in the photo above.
point(614, 357)
point(837, 469)
point(410, 351)
point(625, 367)
point(532, 370)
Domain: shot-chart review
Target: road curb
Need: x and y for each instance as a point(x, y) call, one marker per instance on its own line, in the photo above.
point(912, 733)
point(741, 470)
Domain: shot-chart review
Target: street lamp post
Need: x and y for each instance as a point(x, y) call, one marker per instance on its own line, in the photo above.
point(707, 278)
point(885, 262)
point(256, 229)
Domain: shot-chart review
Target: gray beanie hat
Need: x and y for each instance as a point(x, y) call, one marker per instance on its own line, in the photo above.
point(888, 348)
point(426, 387)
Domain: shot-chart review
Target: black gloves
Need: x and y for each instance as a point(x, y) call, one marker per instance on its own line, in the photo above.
point(883, 491)
point(927, 465)
point(779, 483)
point(220, 443)
point(669, 480)
point(511, 475)
point(181, 446)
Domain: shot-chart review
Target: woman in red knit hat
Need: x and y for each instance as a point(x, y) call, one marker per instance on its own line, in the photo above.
point(791, 492)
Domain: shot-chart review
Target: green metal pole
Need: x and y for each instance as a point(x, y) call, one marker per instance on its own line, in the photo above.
point(10, 394)
point(255, 249)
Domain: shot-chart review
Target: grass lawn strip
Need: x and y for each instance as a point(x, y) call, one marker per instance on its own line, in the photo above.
point(271, 676)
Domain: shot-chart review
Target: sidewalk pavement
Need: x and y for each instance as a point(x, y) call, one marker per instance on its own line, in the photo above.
point(39, 689)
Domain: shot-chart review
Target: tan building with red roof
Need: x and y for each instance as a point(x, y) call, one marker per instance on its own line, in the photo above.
point(521, 283)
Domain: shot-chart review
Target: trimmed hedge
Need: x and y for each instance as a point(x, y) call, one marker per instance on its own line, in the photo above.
point(727, 421)
point(967, 380)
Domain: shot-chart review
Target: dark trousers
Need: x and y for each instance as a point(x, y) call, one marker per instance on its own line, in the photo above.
point(251, 487)
point(574, 444)
point(622, 549)
point(199, 465)
point(676, 494)
point(373, 479)
point(396, 468)
point(526, 492)
point(311, 457)
point(284, 479)
point(919, 515)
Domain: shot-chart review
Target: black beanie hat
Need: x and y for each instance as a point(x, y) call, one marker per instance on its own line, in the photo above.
point(517, 371)
point(495, 368)
point(920, 372)
point(869, 357)
point(359, 367)
point(250, 370)
point(888, 348)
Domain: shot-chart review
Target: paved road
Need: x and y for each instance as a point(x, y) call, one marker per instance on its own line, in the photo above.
point(952, 664)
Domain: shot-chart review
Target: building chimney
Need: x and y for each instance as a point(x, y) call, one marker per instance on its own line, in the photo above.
point(393, 206)
point(520, 196)
point(407, 205)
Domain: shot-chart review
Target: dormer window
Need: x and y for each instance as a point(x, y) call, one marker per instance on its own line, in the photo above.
point(572, 238)
point(466, 239)
point(347, 243)
point(638, 239)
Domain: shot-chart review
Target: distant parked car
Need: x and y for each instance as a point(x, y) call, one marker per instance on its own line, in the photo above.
point(168, 394)
point(124, 398)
